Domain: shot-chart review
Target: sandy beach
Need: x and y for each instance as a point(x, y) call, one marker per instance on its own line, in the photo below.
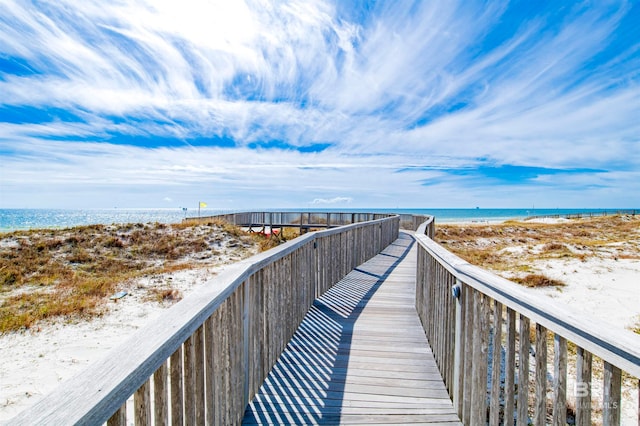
point(605, 286)
point(36, 360)
point(596, 261)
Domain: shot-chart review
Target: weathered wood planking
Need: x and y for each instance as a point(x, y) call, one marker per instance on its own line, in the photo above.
point(360, 356)
point(523, 362)
point(220, 341)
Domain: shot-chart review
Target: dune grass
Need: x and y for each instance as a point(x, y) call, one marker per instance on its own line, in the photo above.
point(71, 273)
point(513, 248)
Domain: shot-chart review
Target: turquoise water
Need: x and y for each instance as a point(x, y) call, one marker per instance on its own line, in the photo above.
point(12, 219)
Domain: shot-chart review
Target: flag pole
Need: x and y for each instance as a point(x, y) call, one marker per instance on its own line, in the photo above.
point(200, 205)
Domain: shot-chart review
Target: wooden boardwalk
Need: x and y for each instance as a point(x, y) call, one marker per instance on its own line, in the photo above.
point(360, 356)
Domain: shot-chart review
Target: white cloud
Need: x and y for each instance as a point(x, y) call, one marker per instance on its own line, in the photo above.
point(334, 200)
point(381, 92)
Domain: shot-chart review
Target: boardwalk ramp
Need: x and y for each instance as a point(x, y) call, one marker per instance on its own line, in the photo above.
point(360, 355)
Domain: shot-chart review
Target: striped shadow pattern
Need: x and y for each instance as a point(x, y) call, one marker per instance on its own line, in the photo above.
point(360, 355)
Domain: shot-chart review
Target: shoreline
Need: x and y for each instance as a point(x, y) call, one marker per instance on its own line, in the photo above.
point(34, 219)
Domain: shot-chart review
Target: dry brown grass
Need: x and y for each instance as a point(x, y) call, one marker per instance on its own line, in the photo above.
point(161, 295)
point(48, 274)
point(636, 325)
point(538, 280)
point(518, 251)
point(269, 241)
point(512, 248)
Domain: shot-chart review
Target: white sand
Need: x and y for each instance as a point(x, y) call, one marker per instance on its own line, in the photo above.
point(34, 362)
point(606, 290)
point(601, 288)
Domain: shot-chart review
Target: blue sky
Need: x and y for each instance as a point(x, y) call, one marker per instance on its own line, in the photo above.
point(311, 103)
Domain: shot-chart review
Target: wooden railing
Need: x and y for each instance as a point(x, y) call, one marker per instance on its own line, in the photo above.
point(630, 212)
point(493, 343)
point(206, 357)
point(305, 220)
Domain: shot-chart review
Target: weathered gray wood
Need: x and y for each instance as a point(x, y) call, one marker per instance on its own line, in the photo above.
point(583, 387)
point(360, 355)
point(540, 408)
point(494, 417)
point(612, 392)
point(222, 365)
point(450, 329)
point(510, 367)
point(619, 347)
point(142, 405)
point(199, 378)
point(132, 370)
point(190, 380)
point(463, 351)
point(480, 358)
point(176, 392)
point(119, 418)
point(523, 373)
point(96, 394)
point(160, 396)
point(209, 336)
point(468, 368)
point(560, 381)
point(237, 356)
point(457, 365)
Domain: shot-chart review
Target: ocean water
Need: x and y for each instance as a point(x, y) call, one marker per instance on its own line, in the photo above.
point(14, 219)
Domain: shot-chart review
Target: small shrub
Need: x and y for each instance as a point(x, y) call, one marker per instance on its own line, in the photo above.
point(538, 280)
point(163, 295)
point(636, 325)
point(82, 266)
point(9, 276)
point(79, 255)
point(554, 247)
point(113, 242)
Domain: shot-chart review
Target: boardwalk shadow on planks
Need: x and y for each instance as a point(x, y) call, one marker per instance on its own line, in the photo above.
point(309, 382)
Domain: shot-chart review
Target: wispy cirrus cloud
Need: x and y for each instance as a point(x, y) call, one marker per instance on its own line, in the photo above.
point(245, 97)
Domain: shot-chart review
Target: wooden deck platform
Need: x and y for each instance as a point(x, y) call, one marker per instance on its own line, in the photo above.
point(360, 356)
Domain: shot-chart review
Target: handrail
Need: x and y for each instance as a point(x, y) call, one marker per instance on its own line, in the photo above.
point(306, 219)
point(215, 347)
point(461, 308)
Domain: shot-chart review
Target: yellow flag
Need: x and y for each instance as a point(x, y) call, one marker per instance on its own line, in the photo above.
point(203, 204)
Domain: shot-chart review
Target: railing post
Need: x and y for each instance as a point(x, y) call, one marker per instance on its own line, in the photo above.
point(494, 418)
point(560, 381)
point(510, 365)
point(246, 314)
point(583, 385)
point(540, 404)
point(457, 352)
point(523, 372)
point(119, 418)
point(611, 398)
